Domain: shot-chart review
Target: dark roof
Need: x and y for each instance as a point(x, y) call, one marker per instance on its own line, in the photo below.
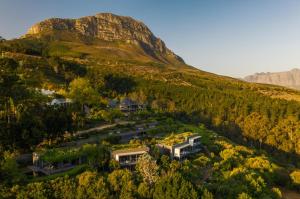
point(127, 102)
point(112, 103)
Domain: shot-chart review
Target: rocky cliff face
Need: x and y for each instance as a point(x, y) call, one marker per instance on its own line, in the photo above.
point(108, 27)
point(289, 79)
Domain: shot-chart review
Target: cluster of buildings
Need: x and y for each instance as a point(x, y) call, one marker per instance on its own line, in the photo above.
point(127, 105)
point(179, 151)
point(127, 158)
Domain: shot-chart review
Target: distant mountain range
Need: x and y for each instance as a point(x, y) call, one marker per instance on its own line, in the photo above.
point(290, 79)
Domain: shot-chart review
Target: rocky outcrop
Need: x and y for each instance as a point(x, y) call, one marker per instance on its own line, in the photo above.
point(289, 79)
point(108, 27)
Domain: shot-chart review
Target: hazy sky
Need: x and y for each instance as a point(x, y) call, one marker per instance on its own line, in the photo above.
point(230, 37)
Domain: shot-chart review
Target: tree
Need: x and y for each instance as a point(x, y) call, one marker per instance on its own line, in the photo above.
point(38, 190)
point(121, 183)
point(147, 168)
point(244, 196)
point(9, 171)
point(139, 97)
point(56, 121)
point(165, 162)
point(63, 187)
point(145, 191)
point(113, 164)
point(119, 84)
point(207, 195)
point(173, 185)
point(295, 176)
point(82, 92)
point(90, 185)
point(256, 127)
point(285, 135)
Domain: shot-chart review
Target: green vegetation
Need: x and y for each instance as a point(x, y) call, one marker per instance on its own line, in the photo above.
point(92, 74)
point(69, 154)
point(176, 138)
point(222, 170)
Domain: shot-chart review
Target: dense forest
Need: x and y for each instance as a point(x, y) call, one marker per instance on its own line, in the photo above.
point(237, 110)
point(224, 169)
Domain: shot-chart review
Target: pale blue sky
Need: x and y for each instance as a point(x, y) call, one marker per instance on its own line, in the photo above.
point(229, 37)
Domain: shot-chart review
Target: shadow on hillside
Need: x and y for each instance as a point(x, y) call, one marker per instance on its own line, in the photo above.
point(119, 84)
point(149, 51)
point(233, 132)
point(281, 157)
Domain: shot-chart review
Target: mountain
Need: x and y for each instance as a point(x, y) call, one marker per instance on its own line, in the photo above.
point(119, 56)
point(118, 30)
point(290, 79)
point(103, 57)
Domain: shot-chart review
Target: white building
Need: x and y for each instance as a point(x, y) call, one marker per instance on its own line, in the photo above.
point(181, 150)
point(60, 102)
point(129, 157)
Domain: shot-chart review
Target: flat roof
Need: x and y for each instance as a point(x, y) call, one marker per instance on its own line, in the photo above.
point(178, 139)
point(194, 136)
point(130, 150)
point(182, 145)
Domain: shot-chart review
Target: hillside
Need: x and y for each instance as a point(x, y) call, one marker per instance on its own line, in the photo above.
point(97, 59)
point(290, 79)
point(57, 51)
point(106, 34)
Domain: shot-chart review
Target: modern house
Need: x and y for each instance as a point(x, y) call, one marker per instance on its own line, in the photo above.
point(129, 157)
point(128, 105)
point(49, 168)
point(113, 103)
point(57, 160)
point(181, 150)
point(47, 92)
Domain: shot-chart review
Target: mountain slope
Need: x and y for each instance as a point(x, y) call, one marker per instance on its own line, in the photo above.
point(96, 60)
point(105, 29)
point(290, 79)
point(56, 52)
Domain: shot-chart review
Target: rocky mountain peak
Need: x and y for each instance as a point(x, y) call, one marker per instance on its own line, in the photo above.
point(107, 27)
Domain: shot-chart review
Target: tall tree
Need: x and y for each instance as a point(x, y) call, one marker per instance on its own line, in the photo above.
point(82, 92)
point(147, 168)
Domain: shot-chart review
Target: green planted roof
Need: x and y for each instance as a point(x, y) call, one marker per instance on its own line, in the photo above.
point(67, 154)
point(176, 138)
